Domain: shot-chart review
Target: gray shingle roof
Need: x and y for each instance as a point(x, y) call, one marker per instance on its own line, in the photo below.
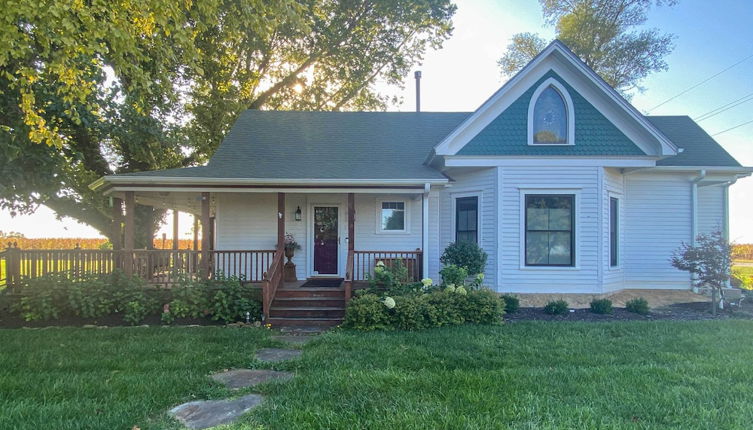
point(700, 149)
point(327, 145)
point(376, 146)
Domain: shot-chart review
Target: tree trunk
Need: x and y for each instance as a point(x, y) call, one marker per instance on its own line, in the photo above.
point(714, 303)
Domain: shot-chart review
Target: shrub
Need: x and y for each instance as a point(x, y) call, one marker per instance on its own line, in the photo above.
point(638, 305)
point(366, 312)
point(512, 303)
point(465, 254)
point(93, 297)
point(453, 274)
point(556, 307)
point(388, 277)
point(231, 300)
point(43, 298)
point(601, 306)
point(430, 309)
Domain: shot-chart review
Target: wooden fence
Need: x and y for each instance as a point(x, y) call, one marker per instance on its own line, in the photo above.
point(161, 267)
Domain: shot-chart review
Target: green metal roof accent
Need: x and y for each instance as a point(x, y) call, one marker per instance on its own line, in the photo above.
point(508, 133)
point(699, 149)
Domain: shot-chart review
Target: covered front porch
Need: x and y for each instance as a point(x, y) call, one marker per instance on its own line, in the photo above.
point(342, 234)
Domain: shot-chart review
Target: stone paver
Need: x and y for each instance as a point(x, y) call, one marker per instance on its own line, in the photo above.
point(203, 414)
point(274, 355)
point(242, 378)
point(298, 340)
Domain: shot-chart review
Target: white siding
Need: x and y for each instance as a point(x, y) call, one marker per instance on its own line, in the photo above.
point(484, 184)
point(613, 277)
point(657, 220)
point(710, 208)
point(582, 181)
point(248, 221)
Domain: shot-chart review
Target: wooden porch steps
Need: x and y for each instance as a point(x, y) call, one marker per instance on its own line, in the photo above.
point(307, 307)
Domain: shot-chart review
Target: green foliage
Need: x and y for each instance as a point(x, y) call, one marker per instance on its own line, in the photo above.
point(601, 306)
point(453, 275)
point(743, 276)
point(230, 300)
point(387, 278)
point(603, 34)
point(54, 296)
point(366, 312)
point(638, 305)
point(512, 303)
point(465, 254)
point(420, 311)
point(93, 88)
point(556, 307)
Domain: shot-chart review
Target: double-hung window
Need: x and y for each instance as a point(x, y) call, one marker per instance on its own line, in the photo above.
point(392, 217)
point(466, 219)
point(550, 230)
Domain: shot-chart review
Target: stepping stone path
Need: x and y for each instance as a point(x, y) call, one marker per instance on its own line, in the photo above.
point(275, 355)
point(243, 378)
point(209, 413)
point(204, 414)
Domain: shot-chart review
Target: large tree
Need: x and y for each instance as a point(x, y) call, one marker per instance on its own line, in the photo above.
point(603, 34)
point(100, 87)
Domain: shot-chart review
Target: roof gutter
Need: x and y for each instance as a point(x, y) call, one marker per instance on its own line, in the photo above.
point(116, 180)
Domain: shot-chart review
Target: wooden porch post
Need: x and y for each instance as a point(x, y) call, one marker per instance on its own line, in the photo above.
point(195, 232)
point(117, 223)
point(176, 239)
point(351, 245)
point(205, 264)
point(130, 206)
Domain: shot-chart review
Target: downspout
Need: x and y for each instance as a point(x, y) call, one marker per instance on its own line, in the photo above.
point(725, 221)
point(694, 206)
point(425, 231)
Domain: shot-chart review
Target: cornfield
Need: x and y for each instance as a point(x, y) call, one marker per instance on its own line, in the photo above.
point(742, 251)
point(83, 243)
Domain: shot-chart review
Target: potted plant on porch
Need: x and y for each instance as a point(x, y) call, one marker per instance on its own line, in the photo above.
point(290, 246)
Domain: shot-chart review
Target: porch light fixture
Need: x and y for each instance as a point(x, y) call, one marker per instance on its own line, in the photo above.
point(298, 214)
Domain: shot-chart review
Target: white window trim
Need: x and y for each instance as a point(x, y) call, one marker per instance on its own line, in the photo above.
point(522, 231)
point(551, 82)
point(407, 211)
point(460, 195)
point(614, 195)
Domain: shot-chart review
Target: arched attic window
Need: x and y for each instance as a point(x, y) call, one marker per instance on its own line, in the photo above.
point(550, 115)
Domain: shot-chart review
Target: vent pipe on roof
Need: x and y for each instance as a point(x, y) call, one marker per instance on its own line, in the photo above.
point(417, 75)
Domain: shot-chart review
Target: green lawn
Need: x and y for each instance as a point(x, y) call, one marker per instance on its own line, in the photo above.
point(525, 375)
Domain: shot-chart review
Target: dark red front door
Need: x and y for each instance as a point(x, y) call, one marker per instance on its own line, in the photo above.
point(325, 240)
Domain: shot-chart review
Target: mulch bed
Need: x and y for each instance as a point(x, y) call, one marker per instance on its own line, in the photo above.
point(676, 312)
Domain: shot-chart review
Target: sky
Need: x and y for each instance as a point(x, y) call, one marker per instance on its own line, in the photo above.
point(710, 36)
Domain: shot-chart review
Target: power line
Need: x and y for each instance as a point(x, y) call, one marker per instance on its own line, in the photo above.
point(726, 107)
point(699, 84)
point(732, 128)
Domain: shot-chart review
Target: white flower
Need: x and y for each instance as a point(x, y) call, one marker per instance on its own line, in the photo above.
point(427, 282)
point(380, 264)
point(461, 290)
point(480, 277)
point(451, 288)
point(389, 302)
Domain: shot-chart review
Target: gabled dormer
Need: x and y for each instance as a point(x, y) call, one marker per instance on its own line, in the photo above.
point(556, 106)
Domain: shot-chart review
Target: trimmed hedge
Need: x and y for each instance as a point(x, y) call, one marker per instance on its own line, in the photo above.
point(419, 311)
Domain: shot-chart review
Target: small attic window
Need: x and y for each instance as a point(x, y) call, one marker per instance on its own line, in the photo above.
point(550, 118)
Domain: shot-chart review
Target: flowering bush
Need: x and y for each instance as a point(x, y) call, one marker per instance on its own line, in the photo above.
point(433, 308)
point(465, 254)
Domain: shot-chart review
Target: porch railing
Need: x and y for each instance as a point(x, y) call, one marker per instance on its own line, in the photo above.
point(161, 267)
point(364, 263)
point(272, 280)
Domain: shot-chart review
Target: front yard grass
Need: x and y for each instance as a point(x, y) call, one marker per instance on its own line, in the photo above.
point(632, 375)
